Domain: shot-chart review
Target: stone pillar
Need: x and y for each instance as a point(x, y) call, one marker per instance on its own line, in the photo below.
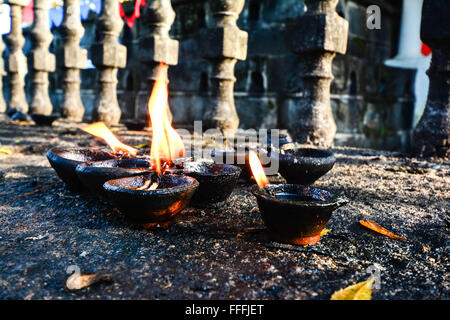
point(42, 61)
point(432, 133)
point(2, 70)
point(17, 61)
point(223, 45)
point(157, 46)
point(319, 35)
point(108, 55)
point(73, 59)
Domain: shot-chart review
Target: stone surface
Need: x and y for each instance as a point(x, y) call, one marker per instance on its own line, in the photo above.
point(42, 60)
point(432, 133)
point(220, 253)
point(108, 56)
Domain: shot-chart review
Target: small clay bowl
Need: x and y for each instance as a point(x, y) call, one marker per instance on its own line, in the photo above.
point(65, 160)
point(296, 214)
point(135, 125)
point(151, 208)
point(43, 120)
point(304, 165)
point(217, 181)
point(94, 174)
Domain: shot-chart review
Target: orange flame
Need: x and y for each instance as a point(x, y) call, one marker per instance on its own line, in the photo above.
point(99, 129)
point(167, 145)
point(257, 169)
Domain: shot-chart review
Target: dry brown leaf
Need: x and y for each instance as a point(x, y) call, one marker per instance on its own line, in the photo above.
point(372, 225)
point(359, 291)
point(79, 281)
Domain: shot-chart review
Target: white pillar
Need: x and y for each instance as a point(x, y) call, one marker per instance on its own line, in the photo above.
point(409, 54)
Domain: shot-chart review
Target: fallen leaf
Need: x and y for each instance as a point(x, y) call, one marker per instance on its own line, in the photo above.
point(359, 291)
point(6, 151)
point(372, 225)
point(139, 146)
point(79, 281)
point(28, 297)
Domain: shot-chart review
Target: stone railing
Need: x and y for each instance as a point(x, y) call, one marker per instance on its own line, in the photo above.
point(304, 103)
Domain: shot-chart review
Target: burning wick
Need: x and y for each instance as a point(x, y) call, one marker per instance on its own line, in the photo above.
point(99, 129)
point(257, 170)
point(148, 185)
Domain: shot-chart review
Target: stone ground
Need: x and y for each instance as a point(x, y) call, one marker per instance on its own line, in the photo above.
point(219, 253)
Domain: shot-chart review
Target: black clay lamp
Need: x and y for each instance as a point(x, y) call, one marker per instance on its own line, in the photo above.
point(293, 213)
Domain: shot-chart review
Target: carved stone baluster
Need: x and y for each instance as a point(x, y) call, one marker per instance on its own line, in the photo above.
point(17, 60)
point(432, 133)
point(224, 44)
point(320, 34)
point(42, 60)
point(73, 58)
point(2, 69)
point(158, 47)
point(108, 55)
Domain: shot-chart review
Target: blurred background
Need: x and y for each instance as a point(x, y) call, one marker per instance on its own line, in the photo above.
point(377, 95)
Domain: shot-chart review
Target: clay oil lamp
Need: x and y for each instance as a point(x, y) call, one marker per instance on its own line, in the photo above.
point(240, 157)
point(135, 124)
point(217, 182)
point(94, 174)
point(151, 202)
point(293, 213)
point(43, 120)
point(65, 160)
point(155, 199)
point(303, 165)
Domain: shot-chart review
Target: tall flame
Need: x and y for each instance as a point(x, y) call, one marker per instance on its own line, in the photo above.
point(99, 129)
point(167, 145)
point(257, 169)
